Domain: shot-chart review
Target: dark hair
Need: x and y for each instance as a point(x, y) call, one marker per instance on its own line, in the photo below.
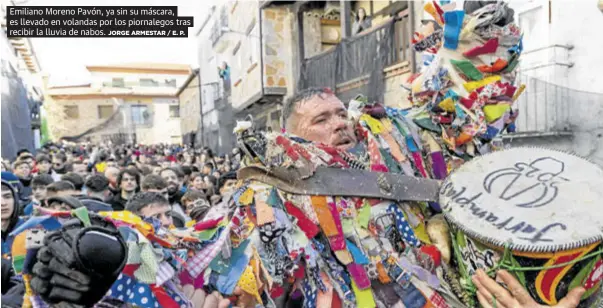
point(42, 157)
point(61, 156)
point(357, 17)
point(97, 183)
point(195, 175)
point(194, 169)
point(186, 170)
point(208, 152)
point(291, 103)
point(212, 179)
point(145, 170)
point(199, 212)
point(225, 177)
point(60, 186)
point(21, 151)
point(143, 199)
point(130, 172)
point(177, 171)
point(75, 179)
point(103, 156)
point(153, 181)
point(42, 180)
point(210, 165)
point(192, 195)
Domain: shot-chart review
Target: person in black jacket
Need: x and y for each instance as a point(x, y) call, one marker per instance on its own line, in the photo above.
point(129, 184)
point(10, 216)
point(22, 170)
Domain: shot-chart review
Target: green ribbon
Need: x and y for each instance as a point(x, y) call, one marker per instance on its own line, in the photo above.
point(82, 214)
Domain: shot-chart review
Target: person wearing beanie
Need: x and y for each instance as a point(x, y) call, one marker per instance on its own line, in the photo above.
point(13, 180)
point(10, 216)
point(22, 170)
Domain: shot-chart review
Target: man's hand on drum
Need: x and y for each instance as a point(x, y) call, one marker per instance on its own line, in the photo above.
point(491, 294)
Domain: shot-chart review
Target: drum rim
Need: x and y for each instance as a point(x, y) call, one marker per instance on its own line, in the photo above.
point(550, 248)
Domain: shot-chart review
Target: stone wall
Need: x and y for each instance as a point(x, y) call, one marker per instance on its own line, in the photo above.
point(312, 35)
point(277, 42)
point(395, 95)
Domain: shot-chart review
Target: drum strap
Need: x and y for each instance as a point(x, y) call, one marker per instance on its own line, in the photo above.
point(345, 182)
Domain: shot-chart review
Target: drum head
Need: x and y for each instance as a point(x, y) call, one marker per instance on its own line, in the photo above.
point(532, 199)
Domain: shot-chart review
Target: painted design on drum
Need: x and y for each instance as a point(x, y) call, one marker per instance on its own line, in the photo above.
point(527, 185)
point(595, 276)
point(548, 279)
point(475, 255)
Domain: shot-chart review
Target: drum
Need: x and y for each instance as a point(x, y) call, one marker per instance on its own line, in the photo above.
point(534, 212)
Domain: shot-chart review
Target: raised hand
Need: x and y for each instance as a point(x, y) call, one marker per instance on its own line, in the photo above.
point(491, 294)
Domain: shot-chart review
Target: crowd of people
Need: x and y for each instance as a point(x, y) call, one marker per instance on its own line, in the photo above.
point(108, 176)
point(175, 185)
point(105, 178)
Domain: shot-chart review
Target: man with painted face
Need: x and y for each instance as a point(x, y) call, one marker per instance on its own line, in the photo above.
point(317, 115)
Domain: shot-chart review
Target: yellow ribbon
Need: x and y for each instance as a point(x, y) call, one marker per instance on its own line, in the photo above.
point(374, 125)
point(472, 85)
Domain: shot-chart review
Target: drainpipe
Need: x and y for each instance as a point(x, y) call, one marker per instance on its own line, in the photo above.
point(201, 106)
point(261, 38)
point(411, 22)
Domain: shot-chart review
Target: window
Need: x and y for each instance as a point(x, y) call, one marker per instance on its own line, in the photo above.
point(174, 111)
point(147, 82)
point(140, 114)
point(105, 111)
point(72, 112)
point(118, 82)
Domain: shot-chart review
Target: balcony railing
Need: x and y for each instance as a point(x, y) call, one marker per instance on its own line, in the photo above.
point(549, 109)
point(219, 25)
point(358, 57)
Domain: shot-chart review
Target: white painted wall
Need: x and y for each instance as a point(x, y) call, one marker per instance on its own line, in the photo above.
point(571, 23)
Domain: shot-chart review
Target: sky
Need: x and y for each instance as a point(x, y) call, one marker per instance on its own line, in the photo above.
point(64, 59)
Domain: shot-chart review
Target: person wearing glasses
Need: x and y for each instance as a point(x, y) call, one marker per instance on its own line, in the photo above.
point(59, 163)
